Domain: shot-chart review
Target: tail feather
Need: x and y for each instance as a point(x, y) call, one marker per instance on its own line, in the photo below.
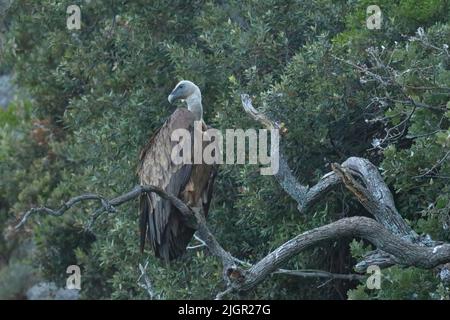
point(170, 242)
point(143, 220)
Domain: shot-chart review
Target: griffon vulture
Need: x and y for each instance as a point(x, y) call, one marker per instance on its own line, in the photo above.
point(161, 223)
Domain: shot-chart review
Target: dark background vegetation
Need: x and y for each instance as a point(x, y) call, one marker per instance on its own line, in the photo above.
point(94, 96)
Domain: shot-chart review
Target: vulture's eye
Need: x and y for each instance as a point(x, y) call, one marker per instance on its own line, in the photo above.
point(182, 86)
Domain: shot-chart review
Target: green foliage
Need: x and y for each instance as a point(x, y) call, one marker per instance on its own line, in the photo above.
point(358, 249)
point(98, 93)
point(398, 283)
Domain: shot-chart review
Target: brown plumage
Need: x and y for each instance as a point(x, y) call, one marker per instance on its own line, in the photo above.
point(161, 223)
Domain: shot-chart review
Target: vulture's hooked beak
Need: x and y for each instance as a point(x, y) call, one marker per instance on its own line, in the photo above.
point(173, 96)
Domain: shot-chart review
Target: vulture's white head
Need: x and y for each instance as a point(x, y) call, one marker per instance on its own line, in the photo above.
point(189, 92)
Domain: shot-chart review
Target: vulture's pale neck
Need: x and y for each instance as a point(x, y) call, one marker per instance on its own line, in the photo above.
point(194, 104)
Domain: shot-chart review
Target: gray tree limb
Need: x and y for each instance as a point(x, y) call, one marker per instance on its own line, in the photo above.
point(404, 251)
point(319, 274)
point(361, 178)
point(195, 219)
point(303, 195)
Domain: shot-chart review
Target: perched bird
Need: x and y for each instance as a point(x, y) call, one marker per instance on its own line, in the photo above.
point(161, 224)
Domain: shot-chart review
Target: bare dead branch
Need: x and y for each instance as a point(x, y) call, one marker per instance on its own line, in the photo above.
point(304, 196)
point(106, 205)
point(393, 83)
point(320, 274)
point(435, 167)
point(256, 115)
point(369, 195)
point(193, 218)
point(423, 39)
point(359, 176)
point(308, 273)
point(146, 284)
point(110, 205)
point(373, 193)
point(197, 246)
point(404, 251)
point(375, 258)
